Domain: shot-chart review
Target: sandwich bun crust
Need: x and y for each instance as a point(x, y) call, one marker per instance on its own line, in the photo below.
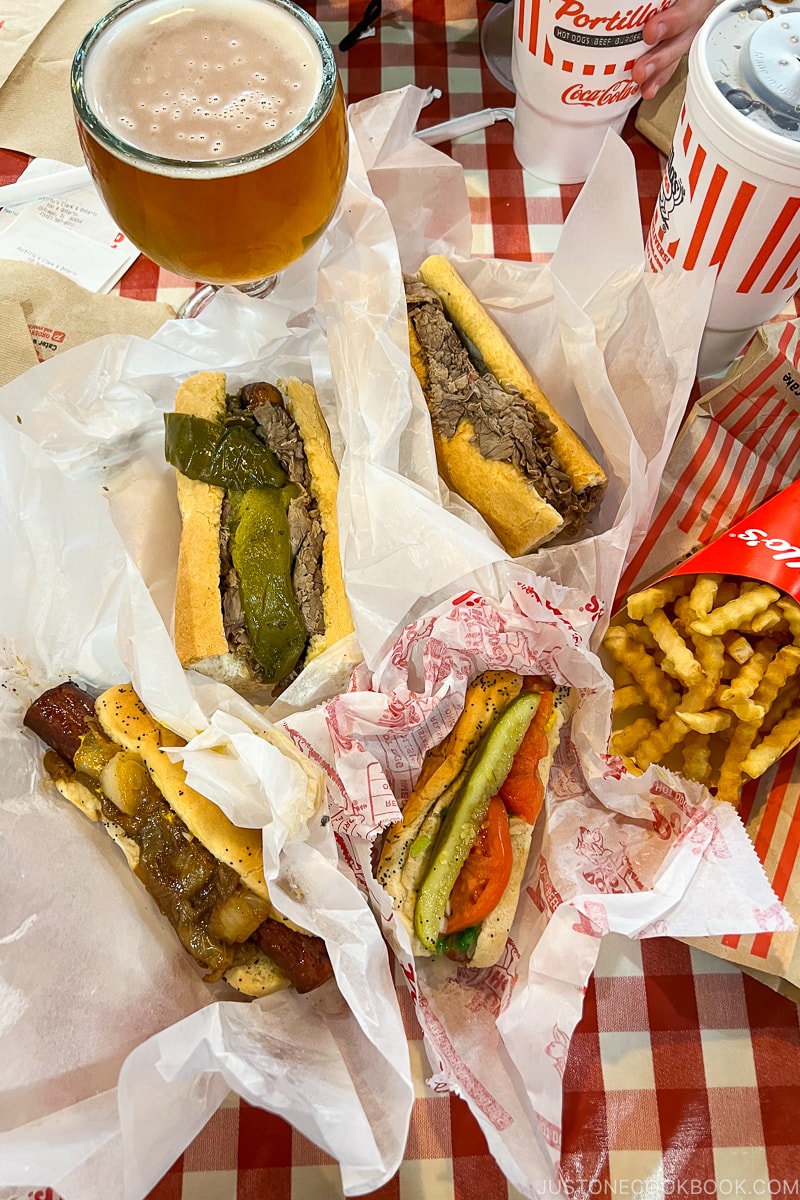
point(512, 508)
point(303, 406)
point(198, 631)
point(198, 626)
point(522, 518)
point(127, 722)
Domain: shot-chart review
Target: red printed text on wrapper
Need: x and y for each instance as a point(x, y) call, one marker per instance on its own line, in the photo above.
point(593, 922)
point(610, 870)
point(453, 1067)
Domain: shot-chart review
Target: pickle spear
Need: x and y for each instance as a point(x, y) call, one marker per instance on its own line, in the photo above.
point(487, 773)
point(261, 554)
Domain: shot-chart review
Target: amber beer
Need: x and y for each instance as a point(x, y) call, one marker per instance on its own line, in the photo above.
point(216, 133)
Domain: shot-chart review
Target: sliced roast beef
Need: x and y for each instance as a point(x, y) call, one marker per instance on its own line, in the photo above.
point(506, 427)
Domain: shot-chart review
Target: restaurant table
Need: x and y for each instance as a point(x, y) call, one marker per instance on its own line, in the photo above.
point(683, 1076)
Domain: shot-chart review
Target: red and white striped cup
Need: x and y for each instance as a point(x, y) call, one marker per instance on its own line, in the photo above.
point(730, 196)
point(571, 65)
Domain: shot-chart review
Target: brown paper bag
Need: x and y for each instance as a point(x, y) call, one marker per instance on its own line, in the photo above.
point(35, 104)
point(43, 313)
point(17, 351)
point(739, 447)
point(22, 21)
point(656, 119)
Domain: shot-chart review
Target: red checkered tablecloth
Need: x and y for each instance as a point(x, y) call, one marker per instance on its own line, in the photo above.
point(683, 1076)
point(681, 1080)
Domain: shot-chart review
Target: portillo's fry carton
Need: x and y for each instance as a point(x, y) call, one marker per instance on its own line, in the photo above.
point(713, 648)
point(764, 546)
point(706, 663)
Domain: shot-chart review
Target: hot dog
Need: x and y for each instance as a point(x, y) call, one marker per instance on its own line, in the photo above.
point(259, 589)
point(499, 442)
point(205, 874)
point(455, 863)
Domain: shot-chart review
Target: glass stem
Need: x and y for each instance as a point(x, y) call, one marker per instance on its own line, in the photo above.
point(257, 289)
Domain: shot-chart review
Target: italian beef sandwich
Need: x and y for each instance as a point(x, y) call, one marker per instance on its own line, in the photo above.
point(259, 589)
point(455, 863)
point(107, 757)
point(500, 444)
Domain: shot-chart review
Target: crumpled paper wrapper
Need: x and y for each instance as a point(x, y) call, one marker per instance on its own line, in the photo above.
point(650, 856)
point(23, 20)
point(35, 108)
point(101, 1100)
point(44, 313)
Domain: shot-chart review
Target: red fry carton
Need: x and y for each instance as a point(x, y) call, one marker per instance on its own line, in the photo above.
point(764, 545)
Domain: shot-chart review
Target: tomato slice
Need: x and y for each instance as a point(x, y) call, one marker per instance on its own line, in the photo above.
point(523, 790)
point(485, 873)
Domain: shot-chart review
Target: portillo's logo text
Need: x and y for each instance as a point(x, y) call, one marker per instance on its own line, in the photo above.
point(615, 93)
point(632, 18)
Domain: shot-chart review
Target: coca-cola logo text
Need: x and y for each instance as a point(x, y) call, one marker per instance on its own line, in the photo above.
point(615, 93)
point(632, 18)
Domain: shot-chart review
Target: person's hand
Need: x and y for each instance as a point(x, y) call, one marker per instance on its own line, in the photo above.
point(670, 33)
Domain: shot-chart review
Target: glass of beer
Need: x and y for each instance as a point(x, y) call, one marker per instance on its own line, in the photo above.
point(215, 132)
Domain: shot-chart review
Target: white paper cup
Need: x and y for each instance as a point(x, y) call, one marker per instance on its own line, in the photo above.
point(571, 64)
point(730, 197)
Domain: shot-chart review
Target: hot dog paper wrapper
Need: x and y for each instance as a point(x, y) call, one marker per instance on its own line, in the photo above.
point(114, 1052)
point(654, 856)
point(724, 474)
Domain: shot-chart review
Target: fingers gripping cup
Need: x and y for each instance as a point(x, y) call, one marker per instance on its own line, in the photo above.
point(730, 196)
point(571, 64)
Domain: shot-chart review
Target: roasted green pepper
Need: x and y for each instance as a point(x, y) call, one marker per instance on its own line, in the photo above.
point(489, 768)
point(225, 455)
point(262, 557)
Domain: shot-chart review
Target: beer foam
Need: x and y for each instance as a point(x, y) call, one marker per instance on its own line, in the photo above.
point(203, 82)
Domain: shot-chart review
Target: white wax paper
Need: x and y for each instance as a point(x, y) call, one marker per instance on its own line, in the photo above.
point(657, 856)
point(114, 1052)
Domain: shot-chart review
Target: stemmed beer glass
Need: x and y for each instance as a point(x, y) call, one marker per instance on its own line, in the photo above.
point(216, 134)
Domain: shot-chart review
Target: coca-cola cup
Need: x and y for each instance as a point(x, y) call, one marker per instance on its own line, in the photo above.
point(730, 196)
point(571, 65)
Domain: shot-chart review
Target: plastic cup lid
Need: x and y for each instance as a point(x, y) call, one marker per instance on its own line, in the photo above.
point(771, 62)
point(752, 50)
